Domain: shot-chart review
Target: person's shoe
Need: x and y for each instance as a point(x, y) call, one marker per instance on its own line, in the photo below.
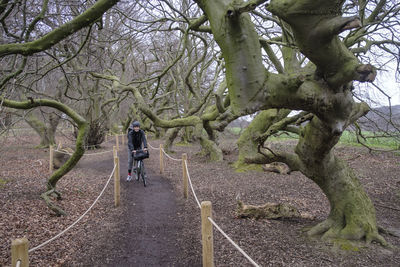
point(129, 178)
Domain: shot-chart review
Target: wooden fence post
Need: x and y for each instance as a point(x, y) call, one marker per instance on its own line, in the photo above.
point(117, 196)
point(161, 159)
point(106, 138)
point(117, 141)
point(123, 139)
point(115, 152)
point(19, 252)
point(184, 175)
point(207, 234)
point(51, 159)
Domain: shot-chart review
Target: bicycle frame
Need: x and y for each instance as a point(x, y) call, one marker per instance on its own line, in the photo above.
point(140, 171)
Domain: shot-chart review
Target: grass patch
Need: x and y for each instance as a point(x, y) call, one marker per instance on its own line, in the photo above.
point(374, 140)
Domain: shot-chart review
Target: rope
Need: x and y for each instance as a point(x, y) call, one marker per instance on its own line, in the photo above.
point(155, 148)
point(216, 226)
point(233, 243)
point(170, 156)
point(90, 154)
point(101, 193)
point(191, 185)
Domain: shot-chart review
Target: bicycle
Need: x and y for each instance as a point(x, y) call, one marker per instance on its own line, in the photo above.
point(140, 171)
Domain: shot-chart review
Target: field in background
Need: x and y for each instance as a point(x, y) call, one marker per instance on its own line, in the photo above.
point(373, 140)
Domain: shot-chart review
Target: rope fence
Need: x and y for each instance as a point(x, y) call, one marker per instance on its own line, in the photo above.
point(80, 218)
point(19, 247)
point(205, 206)
point(86, 154)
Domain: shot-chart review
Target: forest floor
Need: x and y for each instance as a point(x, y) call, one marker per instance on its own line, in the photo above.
point(156, 226)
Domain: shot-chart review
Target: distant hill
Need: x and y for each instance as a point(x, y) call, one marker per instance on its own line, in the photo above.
point(381, 119)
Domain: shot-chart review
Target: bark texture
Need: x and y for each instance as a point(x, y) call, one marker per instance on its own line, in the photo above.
point(247, 142)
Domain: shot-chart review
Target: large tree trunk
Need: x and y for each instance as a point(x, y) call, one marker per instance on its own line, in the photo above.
point(352, 214)
point(171, 136)
point(210, 149)
point(45, 131)
point(187, 135)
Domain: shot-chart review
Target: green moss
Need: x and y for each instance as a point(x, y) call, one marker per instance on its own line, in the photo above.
point(243, 167)
point(183, 144)
point(2, 182)
point(346, 245)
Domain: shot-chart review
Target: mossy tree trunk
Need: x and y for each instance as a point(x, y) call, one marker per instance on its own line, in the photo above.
point(352, 214)
point(210, 149)
point(187, 135)
point(46, 131)
point(171, 135)
point(322, 88)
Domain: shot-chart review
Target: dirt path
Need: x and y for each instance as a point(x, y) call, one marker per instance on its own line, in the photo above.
point(144, 234)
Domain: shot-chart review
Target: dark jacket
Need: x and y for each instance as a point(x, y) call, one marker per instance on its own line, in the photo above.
point(135, 139)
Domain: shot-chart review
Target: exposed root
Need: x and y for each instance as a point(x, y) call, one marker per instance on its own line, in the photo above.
point(329, 230)
point(370, 237)
point(269, 211)
point(46, 196)
point(389, 232)
point(276, 167)
point(320, 228)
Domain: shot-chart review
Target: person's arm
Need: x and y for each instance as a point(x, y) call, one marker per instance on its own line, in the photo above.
point(130, 141)
point(144, 140)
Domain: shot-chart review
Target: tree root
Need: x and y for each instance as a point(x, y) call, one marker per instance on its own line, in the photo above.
point(46, 196)
point(269, 211)
point(389, 232)
point(331, 230)
point(276, 167)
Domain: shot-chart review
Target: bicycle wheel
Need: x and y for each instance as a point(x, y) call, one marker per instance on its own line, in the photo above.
point(142, 173)
point(138, 170)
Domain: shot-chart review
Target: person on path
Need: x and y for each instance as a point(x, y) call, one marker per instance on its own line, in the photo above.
point(136, 138)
